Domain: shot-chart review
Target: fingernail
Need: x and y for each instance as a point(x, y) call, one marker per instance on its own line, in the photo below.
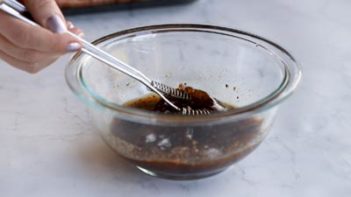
point(81, 34)
point(70, 25)
point(74, 46)
point(56, 24)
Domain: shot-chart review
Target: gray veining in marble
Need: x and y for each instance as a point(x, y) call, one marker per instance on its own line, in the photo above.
point(48, 148)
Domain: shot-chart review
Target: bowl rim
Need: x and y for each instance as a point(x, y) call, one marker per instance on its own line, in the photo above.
point(285, 89)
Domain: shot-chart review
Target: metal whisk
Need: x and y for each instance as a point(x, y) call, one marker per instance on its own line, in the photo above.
point(16, 9)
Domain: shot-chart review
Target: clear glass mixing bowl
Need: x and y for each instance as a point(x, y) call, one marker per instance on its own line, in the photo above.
point(236, 67)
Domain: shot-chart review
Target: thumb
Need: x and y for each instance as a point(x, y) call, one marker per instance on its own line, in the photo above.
point(47, 14)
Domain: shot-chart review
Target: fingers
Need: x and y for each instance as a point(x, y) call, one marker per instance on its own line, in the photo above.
point(74, 29)
point(77, 31)
point(32, 48)
point(31, 37)
point(69, 25)
point(22, 65)
point(16, 63)
point(47, 13)
point(26, 55)
point(25, 59)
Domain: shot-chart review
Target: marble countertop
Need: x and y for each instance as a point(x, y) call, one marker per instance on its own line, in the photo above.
point(49, 148)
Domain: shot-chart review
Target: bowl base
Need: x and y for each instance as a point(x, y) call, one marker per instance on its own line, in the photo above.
point(179, 176)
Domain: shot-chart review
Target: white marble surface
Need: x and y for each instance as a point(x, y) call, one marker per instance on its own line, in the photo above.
point(48, 148)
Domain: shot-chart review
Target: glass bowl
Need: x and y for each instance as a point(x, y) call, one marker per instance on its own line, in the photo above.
point(238, 68)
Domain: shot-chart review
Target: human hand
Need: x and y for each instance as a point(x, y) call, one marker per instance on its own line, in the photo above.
point(32, 48)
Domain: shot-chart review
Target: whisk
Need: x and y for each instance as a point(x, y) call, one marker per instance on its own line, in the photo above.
point(16, 9)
